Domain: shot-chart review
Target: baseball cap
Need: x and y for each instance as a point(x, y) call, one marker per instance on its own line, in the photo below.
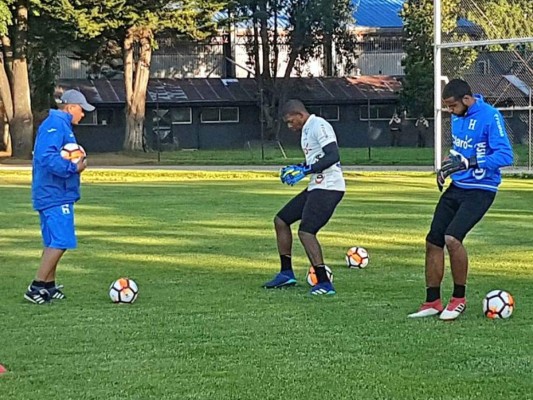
point(73, 96)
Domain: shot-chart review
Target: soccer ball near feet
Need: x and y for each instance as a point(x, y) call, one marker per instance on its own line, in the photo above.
point(123, 290)
point(498, 304)
point(357, 257)
point(312, 279)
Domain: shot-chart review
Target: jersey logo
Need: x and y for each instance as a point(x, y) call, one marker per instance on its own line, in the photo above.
point(472, 124)
point(307, 149)
point(499, 125)
point(51, 130)
point(462, 143)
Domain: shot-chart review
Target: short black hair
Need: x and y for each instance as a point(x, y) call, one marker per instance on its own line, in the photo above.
point(293, 106)
point(456, 88)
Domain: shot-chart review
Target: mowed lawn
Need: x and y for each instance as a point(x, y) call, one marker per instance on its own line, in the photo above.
point(201, 244)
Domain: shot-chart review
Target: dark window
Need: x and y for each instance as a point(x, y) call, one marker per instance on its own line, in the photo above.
point(329, 113)
point(102, 116)
point(381, 112)
point(212, 115)
point(181, 115)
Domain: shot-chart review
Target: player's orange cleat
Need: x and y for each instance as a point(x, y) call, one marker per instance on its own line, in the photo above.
point(428, 309)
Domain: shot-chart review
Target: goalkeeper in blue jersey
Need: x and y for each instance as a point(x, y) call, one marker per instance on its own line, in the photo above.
point(480, 146)
point(315, 205)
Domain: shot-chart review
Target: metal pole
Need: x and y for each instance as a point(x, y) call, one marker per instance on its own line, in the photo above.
point(530, 123)
point(368, 130)
point(158, 131)
point(262, 126)
point(437, 73)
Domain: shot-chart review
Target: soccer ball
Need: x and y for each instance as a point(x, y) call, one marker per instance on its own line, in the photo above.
point(357, 257)
point(123, 290)
point(312, 278)
point(73, 152)
point(498, 304)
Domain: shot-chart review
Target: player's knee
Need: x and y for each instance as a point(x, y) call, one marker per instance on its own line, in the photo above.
point(452, 242)
point(435, 239)
point(279, 223)
point(304, 235)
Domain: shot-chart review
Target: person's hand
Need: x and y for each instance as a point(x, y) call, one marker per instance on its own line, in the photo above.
point(292, 174)
point(81, 165)
point(453, 163)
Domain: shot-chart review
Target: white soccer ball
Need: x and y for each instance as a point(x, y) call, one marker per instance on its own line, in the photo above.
point(123, 290)
point(498, 304)
point(73, 152)
point(312, 279)
point(357, 257)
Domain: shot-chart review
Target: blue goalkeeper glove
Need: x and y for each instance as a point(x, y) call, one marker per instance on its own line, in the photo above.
point(453, 163)
point(292, 174)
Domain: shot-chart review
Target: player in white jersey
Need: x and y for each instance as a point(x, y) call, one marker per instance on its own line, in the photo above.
point(315, 205)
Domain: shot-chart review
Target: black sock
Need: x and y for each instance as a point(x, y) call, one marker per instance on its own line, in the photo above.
point(459, 291)
point(321, 274)
point(38, 284)
point(286, 262)
point(50, 285)
point(432, 294)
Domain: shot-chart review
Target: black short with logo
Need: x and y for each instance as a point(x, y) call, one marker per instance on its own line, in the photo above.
point(314, 208)
point(457, 212)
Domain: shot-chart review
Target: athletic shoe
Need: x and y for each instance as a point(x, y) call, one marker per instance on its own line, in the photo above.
point(454, 308)
point(56, 293)
point(37, 295)
point(283, 279)
point(323, 288)
point(428, 309)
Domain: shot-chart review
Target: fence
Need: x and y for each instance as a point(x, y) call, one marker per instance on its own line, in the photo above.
point(492, 51)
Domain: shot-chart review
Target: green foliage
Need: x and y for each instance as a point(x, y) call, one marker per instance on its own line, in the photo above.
point(203, 328)
point(5, 17)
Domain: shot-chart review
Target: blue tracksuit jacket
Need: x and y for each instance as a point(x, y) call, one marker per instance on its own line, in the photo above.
point(481, 132)
point(55, 181)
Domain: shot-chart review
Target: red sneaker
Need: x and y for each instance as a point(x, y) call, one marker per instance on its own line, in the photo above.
point(428, 309)
point(455, 307)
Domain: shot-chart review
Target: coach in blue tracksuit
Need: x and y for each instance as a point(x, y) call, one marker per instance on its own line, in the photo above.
point(55, 189)
point(480, 147)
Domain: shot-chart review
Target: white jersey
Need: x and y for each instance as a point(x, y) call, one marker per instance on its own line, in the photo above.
point(316, 134)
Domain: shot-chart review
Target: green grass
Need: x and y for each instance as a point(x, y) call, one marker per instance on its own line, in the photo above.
point(201, 244)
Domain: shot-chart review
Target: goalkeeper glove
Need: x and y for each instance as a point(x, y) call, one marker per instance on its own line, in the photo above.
point(453, 163)
point(292, 174)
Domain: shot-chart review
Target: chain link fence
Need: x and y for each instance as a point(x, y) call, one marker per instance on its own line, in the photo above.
point(492, 49)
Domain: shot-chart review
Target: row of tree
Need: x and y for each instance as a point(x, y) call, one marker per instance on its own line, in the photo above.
point(32, 32)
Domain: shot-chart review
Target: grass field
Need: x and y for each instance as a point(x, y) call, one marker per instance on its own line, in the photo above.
point(200, 245)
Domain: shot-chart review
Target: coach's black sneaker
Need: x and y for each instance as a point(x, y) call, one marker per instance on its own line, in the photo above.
point(37, 295)
point(283, 279)
point(56, 293)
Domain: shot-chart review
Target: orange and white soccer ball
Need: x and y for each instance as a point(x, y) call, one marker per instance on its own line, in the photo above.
point(312, 278)
point(498, 304)
point(357, 257)
point(73, 152)
point(123, 290)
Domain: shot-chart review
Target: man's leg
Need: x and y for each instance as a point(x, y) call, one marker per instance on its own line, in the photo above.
point(289, 214)
point(49, 260)
point(316, 214)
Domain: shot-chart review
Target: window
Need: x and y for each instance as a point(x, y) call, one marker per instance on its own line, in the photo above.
point(329, 113)
point(482, 67)
point(213, 115)
point(181, 116)
point(98, 117)
point(381, 112)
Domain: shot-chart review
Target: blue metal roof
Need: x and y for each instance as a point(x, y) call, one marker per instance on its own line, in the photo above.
point(378, 13)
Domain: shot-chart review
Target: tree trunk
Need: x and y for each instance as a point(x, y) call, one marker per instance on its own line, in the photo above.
point(136, 83)
point(21, 126)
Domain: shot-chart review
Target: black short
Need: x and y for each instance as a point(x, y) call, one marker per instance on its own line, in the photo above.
point(457, 212)
point(314, 208)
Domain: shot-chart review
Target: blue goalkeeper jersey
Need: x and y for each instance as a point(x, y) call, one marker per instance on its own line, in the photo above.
point(481, 132)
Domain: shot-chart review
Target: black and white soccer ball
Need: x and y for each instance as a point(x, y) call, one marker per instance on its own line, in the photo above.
point(123, 290)
point(357, 257)
point(498, 304)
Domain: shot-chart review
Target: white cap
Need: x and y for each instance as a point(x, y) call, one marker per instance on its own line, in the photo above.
point(76, 97)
